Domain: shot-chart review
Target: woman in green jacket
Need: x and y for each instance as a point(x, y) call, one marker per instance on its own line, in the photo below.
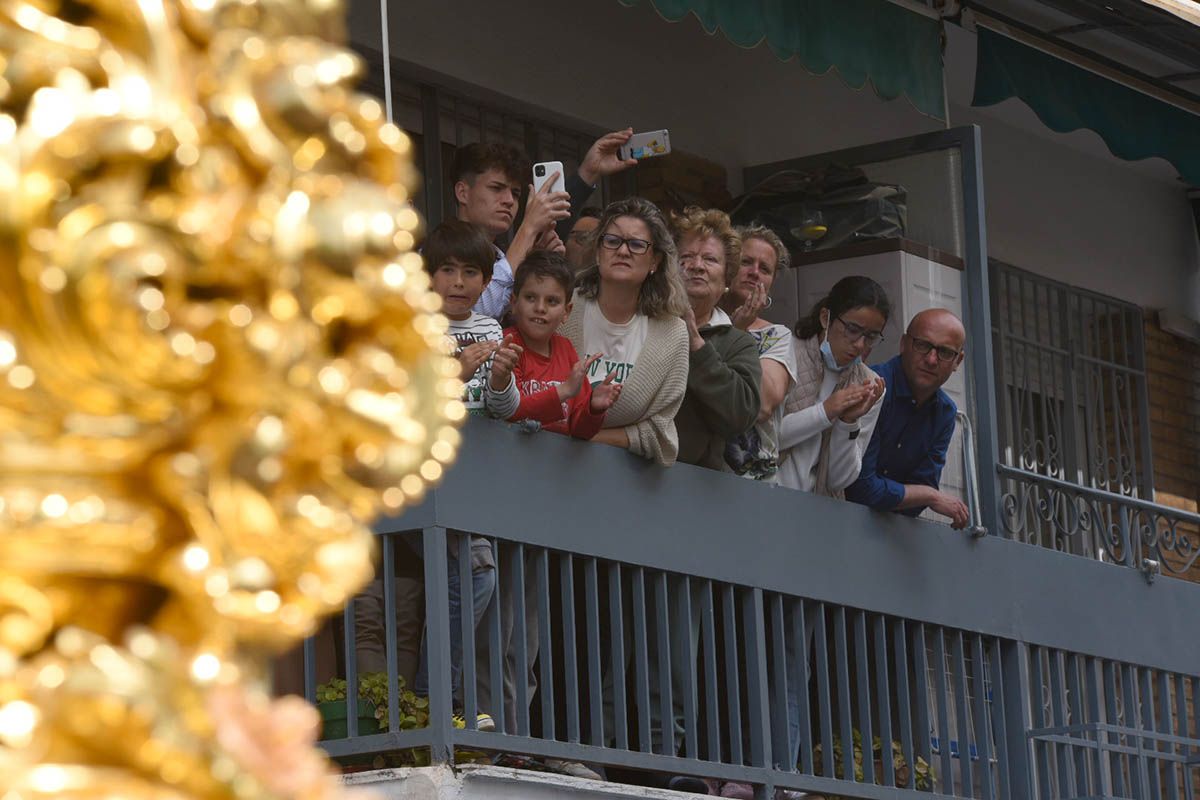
point(724, 374)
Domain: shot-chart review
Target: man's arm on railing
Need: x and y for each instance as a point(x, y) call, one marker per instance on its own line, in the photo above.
point(871, 488)
point(922, 491)
point(919, 492)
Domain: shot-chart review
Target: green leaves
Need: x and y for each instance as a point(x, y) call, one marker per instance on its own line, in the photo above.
point(373, 687)
point(334, 690)
point(925, 779)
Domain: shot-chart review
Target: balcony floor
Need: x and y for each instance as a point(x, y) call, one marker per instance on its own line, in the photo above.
point(494, 783)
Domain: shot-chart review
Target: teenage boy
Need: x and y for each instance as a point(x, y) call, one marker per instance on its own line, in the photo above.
point(487, 182)
point(548, 373)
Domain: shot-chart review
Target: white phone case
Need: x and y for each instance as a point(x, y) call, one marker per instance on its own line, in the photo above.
point(549, 168)
point(647, 145)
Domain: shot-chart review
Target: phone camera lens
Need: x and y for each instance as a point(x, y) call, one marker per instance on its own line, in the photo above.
point(539, 170)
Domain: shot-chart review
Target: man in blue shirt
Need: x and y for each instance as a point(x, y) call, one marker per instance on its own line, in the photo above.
point(902, 467)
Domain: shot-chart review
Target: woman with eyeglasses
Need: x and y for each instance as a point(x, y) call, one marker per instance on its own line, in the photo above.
point(627, 309)
point(831, 411)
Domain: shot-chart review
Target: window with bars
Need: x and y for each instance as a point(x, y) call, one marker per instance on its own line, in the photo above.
point(430, 111)
point(1072, 405)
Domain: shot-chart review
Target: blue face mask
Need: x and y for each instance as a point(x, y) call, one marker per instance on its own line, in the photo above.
point(831, 362)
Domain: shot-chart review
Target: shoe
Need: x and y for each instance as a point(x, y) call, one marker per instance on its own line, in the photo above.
point(483, 722)
point(573, 768)
point(743, 791)
point(686, 783)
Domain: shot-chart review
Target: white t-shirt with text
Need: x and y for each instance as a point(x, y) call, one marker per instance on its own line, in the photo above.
point(621, 344)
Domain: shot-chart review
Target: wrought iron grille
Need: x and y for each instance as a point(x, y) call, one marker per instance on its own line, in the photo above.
point(1070, 374)
point(430, 113)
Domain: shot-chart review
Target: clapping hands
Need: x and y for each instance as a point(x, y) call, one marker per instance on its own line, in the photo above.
point(872, 390)
point(744, 315)
point(471, 358)
point(503, 361)
point(604, 394)
point(851, 402)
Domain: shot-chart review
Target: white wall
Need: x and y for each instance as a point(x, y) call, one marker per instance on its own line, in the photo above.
point(1055, 205)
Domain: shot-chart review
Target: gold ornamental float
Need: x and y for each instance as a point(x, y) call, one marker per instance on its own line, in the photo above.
point(219, 359)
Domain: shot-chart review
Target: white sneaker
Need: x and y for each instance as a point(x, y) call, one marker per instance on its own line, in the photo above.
point(573, 768)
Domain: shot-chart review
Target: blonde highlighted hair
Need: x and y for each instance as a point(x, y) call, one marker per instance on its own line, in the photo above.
point(756, 230)
point(705, 222)
point(662, 292)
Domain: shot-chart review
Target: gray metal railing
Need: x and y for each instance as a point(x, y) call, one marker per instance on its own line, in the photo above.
point(1121, 529)
point(1109, 729)
point(693, 595)
point(971, 475)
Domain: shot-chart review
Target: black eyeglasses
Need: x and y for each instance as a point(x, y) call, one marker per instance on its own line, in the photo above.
point(610, 241)
point(923, 346)
point(854, 332)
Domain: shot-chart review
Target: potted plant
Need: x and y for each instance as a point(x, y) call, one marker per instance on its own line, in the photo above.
point(331, 703)
point(924, 778)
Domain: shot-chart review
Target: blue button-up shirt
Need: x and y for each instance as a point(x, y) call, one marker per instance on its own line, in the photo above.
point(497, 294)
point(908, 446)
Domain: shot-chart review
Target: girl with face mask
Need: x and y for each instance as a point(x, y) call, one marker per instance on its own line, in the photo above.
point(830, 413)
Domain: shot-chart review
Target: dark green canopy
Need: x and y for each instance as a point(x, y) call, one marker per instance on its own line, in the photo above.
point(1066, 97)
point(898, 51)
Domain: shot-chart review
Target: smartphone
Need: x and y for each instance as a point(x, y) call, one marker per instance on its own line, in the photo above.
point(647, 145)
point(542, 172)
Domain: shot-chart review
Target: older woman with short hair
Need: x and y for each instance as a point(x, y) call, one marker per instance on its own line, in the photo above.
point(722, 399)
point(627, 309)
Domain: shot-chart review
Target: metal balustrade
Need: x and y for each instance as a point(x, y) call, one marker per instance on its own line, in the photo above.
point(654, 594)
point(1117, 528)
point(625, 654)
point(1110, 729)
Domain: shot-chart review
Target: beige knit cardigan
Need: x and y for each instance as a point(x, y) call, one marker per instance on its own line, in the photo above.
point(651, 397)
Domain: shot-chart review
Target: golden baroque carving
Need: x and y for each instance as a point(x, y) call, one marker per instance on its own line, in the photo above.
point(219, 360)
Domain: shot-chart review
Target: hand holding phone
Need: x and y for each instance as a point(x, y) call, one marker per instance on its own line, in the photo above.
point(604, 157)
point(548, 202)
point(647, 145)
point(549, 172)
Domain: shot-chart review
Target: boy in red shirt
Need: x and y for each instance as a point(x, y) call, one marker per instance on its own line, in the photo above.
point(554, 391)
point(549, 375)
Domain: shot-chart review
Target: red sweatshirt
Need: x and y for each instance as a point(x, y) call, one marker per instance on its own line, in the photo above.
point(538, 378)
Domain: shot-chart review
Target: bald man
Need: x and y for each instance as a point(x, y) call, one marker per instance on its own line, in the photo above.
point(902, 467)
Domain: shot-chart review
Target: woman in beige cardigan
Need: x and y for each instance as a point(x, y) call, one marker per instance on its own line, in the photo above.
point(627, 308)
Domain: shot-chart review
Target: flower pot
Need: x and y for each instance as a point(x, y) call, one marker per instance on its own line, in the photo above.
point(333, 717)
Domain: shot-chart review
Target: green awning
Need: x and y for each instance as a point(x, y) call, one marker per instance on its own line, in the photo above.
point(899, 52)
point(1066, 97)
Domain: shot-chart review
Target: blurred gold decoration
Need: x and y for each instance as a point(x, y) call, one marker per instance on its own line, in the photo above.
point(219, 360)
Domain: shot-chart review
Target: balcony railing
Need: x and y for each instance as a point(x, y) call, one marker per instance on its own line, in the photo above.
point(1122, 530)
point(684, 594)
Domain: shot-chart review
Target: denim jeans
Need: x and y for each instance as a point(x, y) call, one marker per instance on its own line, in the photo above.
point(483, 583)
point(503, 702)
point(797, 678)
